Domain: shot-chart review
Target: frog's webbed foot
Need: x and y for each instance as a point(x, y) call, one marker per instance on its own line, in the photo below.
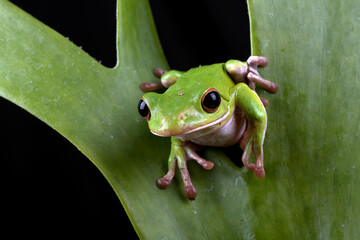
point(258, 167)
point(247, 72)
point(164, 182)
point(253, 75)
point(181, 152)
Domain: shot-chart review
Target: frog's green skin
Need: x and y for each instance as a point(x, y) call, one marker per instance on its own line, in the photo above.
point(178, 113)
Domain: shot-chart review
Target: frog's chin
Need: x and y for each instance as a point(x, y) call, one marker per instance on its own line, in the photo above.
point(218, 121)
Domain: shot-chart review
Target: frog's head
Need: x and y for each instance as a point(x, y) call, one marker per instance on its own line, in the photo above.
point(198, 100)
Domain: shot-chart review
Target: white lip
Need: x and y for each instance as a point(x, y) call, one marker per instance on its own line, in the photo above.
point(201, 127)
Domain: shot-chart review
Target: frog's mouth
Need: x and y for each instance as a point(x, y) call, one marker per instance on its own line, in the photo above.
point(167, 133)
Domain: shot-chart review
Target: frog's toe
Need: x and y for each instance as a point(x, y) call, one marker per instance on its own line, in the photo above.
point(163, 183)
point(256, 78)
point(259, 172)
point(148, 87)
point(250, 166)
point(264, 101)
point(190, 192)
point(191, 154)
point(158, 72)
point(258, 60)
point(208, 165)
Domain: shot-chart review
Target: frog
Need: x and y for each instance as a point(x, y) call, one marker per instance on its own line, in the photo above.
point(211, 105)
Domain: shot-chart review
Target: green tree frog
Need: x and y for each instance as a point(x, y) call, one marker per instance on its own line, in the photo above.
point(214, 105)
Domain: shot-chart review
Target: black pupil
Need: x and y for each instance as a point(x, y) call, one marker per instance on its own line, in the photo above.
point(143, 108)
point(212, 100)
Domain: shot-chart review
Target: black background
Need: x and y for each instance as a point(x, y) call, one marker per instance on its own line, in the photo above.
point(49, 188)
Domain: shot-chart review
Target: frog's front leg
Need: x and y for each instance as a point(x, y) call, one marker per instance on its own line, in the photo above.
point(249, 102)
point(181, 152)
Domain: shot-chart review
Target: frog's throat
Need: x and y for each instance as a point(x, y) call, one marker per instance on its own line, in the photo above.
point(217, 121)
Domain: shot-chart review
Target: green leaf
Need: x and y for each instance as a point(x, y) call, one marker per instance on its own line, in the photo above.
point(312, 150)
point(311, 156)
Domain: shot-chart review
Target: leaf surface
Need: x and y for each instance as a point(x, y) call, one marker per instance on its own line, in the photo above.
point(312, 152)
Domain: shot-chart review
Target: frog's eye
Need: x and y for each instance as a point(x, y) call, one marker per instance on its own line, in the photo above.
point(211, 100)
point(144, 109)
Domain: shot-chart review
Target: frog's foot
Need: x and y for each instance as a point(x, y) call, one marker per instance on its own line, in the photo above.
point(148, 86)
point(254, 76)
point(258, 167)
point(165, 181)
point(259, 170)
point(191, 154)
point(167, 79)
point(248, 73)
